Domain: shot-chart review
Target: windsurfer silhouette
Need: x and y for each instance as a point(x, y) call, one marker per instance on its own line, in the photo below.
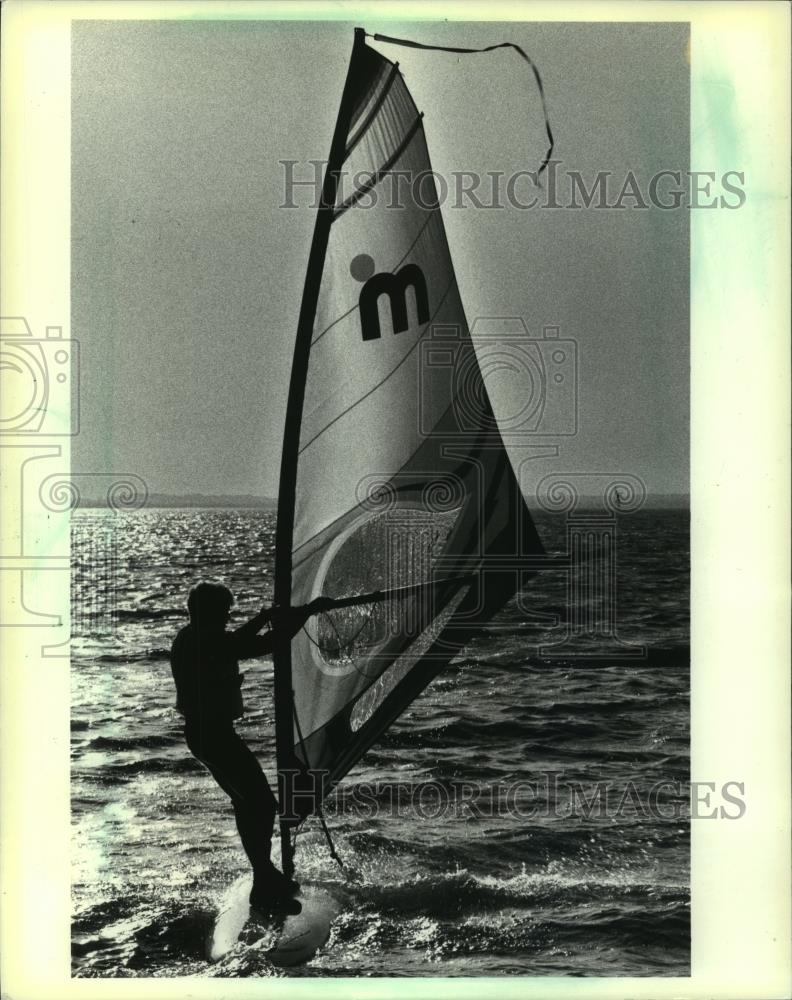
point(205, 665)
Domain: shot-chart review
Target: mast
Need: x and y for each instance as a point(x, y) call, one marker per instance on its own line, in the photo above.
point(284, 724)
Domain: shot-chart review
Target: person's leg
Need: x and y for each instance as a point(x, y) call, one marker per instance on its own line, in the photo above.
point(237, 770)
point(241, 776)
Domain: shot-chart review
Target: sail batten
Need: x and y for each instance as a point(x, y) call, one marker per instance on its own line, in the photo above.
point(381, 172)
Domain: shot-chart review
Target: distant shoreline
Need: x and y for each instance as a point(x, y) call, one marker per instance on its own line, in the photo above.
point(197, 501)
point(160, 501)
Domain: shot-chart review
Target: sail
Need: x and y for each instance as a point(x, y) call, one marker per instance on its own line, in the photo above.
point(395, 479)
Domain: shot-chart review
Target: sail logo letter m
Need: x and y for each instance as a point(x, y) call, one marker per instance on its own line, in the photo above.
point(395, 287)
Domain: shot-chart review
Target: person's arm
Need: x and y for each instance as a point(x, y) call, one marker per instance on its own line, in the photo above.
point(252, 628)
point(247, 643)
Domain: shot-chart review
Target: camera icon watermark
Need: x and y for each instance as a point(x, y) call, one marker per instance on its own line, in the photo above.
point(40, 381)
point(518, 384)
point(43, 549)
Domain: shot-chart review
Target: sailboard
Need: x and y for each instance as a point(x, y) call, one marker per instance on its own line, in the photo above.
point(397, 499)
point(289, 939)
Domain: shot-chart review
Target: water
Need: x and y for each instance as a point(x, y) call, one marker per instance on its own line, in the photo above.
point(530, 887)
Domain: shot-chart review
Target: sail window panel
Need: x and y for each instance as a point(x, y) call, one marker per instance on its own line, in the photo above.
point(392, 550)
point(348, 649)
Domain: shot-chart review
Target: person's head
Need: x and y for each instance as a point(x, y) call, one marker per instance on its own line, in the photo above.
point(209, 604)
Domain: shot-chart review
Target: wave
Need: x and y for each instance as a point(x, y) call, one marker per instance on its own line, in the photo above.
point(486, 732)
point(114, 936)
point(673, 655)
point(144, 656)
point(120, 743)
point(111, 772)
point(565, 901)
point(153, 614)
point(518, 932)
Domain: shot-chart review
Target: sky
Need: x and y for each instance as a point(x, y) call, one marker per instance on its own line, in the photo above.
point(187, 272)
